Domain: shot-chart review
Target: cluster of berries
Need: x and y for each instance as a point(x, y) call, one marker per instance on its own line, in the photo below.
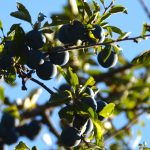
point(81, 126)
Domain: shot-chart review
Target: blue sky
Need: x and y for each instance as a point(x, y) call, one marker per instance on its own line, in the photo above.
point(129, 23)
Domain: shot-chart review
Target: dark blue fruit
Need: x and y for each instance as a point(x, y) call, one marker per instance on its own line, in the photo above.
point(89, 91)
point(100, 105)
point(64, 87)
point(11, 136)
point(98, 32)
point(89, 127)
point(59, 58)
point(6, 62)
point(64, 35)
point(78, 30)
point(33, 129)
point(110, 61)
point(34, 58)
point(70, 137)
point(46, 71)
point(71, 33)
point(90, 102)
point(80, 123)
point(3, 131)
point(7, 120)
point(34, 39)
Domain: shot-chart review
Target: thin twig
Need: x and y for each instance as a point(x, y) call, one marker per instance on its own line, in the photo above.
point(51, 127)
point(109, 6)
point(98, 44)
point(42, 85)
point(145, 8)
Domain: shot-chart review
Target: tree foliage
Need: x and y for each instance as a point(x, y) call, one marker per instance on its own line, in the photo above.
point(74, 44)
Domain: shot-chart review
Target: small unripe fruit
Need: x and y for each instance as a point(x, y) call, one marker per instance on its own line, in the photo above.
point(34, 39)
point(110, 61)
point(46, 71)
point(34, 58)
point(100, 105)
point(70, 137)
point(59, 58)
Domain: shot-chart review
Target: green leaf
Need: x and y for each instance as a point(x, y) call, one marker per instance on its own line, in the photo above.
point(115, 29)
point(13, 110)
point(144, 29)
point(62, 72)
point(96, 7)
point(59, 98)
point(98, 132)
point(67, 113)
point(74, 81)
point(105, 16)
point(21, 146)
point(1, 25)
point(117, 9)
point(87, 9)
point(22, 13)
point(107, 110)
point(2, 96)
point(10, 77)
point(107, 53)
point(142, 59)
point(89, 82)
point(124, 35)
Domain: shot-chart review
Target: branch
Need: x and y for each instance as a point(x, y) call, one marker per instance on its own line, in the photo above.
point(145, 8)
point(21, 72)
point(97, 44)
point(109, 6)
point(111, 73)
point(51, 127)
point(125, 127)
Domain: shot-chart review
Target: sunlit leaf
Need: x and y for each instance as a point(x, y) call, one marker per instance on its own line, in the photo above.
point(107, 110)
point(21, 146)
point(2, 96)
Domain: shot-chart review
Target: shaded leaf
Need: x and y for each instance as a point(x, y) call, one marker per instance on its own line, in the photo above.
point(67, 113)
point(59, 98)
point(87, 9)
point(142, 59)
point(117, 9)
point(115, 29)
point(22, 13)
